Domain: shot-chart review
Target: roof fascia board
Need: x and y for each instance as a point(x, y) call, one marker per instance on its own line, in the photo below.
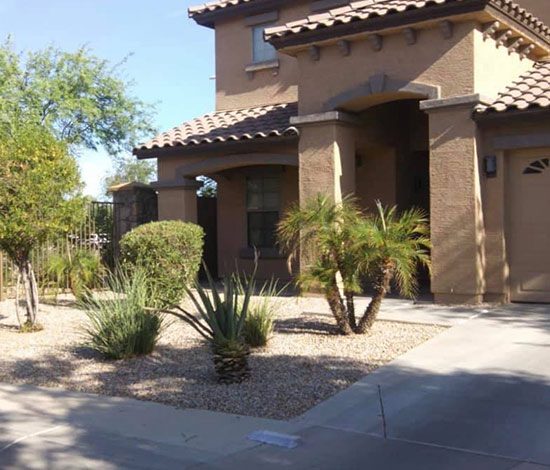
point(406, 18)
point(257, 7)
point(202, 149)
point(512, 116)
point(505, 17)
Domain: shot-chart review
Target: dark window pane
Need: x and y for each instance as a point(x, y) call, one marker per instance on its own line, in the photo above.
point(262, 228)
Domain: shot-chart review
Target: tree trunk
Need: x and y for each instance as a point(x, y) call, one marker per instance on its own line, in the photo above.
point(31, 292)
point(338, 310)
point(381, 289)
point(350, 306)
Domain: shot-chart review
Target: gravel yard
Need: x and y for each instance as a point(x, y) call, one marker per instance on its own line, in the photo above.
point(304, 364)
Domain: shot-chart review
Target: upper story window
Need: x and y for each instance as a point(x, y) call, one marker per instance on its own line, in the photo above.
point(262, 51)
point(263, 200)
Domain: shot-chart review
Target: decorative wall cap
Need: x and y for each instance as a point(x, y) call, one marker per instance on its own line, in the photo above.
point(130, 187)
point(454, 102)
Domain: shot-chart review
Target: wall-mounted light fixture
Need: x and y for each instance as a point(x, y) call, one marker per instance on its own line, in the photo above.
point(490, 163)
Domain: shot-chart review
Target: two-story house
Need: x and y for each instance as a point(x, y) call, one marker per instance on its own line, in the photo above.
point(441, 104)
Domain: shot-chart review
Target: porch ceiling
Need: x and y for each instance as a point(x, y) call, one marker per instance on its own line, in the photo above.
point(227, 126)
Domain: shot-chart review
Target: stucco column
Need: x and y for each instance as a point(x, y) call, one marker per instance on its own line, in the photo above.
point(327, 155)
point(326, 160)
point(177, 200)
point(456, 215)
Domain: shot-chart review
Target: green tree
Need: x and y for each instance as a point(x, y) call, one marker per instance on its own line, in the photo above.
point(128, 170)
point(82, 99)
point(39, 198)
point(209, 187)
point(341, 246)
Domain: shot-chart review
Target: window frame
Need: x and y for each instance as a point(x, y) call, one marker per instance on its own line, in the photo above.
point(264, 209)
point(266, 46)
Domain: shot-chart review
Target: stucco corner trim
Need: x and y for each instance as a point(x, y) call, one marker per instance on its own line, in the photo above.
point(318, 118)
point(181, 183)
point(464, 101)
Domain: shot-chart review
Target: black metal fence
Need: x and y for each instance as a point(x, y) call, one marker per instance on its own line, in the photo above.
point(96, 234)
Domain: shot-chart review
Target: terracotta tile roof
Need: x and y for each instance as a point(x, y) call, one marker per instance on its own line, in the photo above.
point(224, 126)
point(214, 5)
point(362, 10)
point(531, 90)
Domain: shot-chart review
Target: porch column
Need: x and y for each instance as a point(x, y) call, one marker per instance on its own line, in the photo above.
point(457, 227)
point(327, 155)
point(177, 200)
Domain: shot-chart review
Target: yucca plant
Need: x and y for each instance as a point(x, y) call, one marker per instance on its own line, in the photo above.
point(220, 319)
point(123, 322)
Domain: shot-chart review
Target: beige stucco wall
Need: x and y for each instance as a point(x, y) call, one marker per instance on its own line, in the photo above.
point(232, 220)
point(448, 63)
point(234, 88)
point(494, 66)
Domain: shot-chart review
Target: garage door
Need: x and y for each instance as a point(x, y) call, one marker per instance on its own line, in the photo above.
point(529, 226)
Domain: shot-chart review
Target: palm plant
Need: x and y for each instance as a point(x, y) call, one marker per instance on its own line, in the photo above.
point(220, 321)
point(395, 245)
point(325, 233)
point(342, 245)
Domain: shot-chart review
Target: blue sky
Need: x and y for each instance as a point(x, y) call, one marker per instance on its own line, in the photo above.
point(171, 65)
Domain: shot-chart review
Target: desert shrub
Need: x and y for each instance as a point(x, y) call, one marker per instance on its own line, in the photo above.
point(120, 323)
point(169, 252)
point(259, 324)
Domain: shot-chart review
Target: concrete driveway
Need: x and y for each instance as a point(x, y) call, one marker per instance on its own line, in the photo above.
point(476, 396)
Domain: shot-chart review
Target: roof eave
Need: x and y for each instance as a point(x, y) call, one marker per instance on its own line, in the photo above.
point(395, 20)
point(407, 18)
point(533, 112)
point(209, 18)
point(228, 147)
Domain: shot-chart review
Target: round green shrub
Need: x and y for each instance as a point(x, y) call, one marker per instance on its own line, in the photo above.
point(169, 252)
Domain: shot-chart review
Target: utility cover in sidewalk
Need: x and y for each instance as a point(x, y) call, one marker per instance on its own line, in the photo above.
point(275, 439)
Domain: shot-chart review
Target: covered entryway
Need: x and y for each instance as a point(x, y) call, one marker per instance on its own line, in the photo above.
point(529, 225)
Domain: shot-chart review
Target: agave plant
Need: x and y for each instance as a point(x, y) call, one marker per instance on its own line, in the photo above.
point(220, 320)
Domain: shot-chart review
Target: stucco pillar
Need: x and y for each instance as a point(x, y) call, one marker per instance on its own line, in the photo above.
point(326, 160)
point(177, 200)
point(327, 155)
point(456, 216)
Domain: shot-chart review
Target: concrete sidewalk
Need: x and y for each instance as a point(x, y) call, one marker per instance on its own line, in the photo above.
point(44, 428)
point(475, 397)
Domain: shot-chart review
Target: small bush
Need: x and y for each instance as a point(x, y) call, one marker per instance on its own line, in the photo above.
point(259, 324)
point(120, 324)
point(258, 327)
point(169, 252)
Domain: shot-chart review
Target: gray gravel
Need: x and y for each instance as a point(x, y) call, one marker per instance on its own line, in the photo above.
point(304, 364)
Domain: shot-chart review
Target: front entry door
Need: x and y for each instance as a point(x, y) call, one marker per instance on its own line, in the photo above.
point(529, 226)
